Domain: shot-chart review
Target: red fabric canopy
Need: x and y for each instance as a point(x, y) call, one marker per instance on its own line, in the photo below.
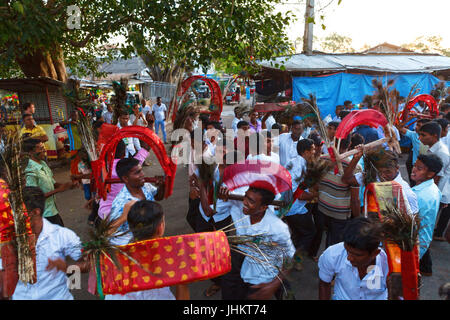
point(260, 174)
point(369, 117)
point(102, 172)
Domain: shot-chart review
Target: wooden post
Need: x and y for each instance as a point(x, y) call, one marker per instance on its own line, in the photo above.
point(308, 34)
point(49, 105)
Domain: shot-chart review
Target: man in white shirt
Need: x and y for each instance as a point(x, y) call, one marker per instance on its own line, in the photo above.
point(288, 143)
point(429, 135)
point(53, 244)
point(357, 265)
point(237, 118)
point(338, 110)
point(138, 118)
point(108, 114)
point(133, 144)
point(159, 111)
point(299, 219)
point(260, 147)
point(252, 278)
point(147, 108)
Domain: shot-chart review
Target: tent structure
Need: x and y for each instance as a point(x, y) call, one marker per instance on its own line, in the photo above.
point(334, 78)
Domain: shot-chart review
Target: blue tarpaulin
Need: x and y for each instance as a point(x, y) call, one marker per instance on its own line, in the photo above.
point(333, 90)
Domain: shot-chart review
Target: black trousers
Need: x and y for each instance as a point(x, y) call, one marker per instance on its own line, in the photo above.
point(425, 264)
point(442, 223)
point(319, 226)
point(56, 219)
point(234, 288)
point(303, 230)
point(335, 230)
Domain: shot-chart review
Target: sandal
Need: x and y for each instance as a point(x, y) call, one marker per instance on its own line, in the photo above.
point(212, 290)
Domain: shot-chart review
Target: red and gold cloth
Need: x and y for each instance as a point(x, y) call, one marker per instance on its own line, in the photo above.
point(167, 261)
point(8, 251)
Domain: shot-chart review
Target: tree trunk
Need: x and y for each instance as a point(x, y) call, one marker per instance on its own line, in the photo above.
point(44, 64)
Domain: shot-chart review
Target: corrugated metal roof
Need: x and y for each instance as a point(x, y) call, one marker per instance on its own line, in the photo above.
point(395, 63)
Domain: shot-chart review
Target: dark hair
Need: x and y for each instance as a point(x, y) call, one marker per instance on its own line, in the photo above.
point(125, 165)
point(30, 144)
point(343, 114)
point(431, 161)
point(123, 112)
point(334, 124)
point(345, 143)
point(296, 122)
point(276, 126)
point(447, 116)
point(144, 219)
point(347, 102)
point(443, 123)
point(432, 128)
point(445, 106)
point(339, 107)
point(390, 160)
point(34, 198)
point(266, 195)
point(304, 145)
point(314, 136)
point(27, 105)
point(26, 115)
point(422, 121)
point(357, 235)
point(215, 124)
point(356, 140)
point(97, 124)
point(120, 150)
point(242, 123)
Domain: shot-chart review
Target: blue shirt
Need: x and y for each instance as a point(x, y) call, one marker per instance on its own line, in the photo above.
point(369, 134)
point(429, 198)
point(119, 202)
point(414, 137)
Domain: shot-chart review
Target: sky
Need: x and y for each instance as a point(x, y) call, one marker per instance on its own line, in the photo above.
point(376, 21)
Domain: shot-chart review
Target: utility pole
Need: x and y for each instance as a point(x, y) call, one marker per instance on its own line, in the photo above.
point(308, 35)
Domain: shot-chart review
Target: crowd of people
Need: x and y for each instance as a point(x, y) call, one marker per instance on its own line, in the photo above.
point(352, 260)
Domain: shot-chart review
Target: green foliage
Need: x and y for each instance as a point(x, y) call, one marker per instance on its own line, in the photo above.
point(188, 32)
point(428, 44)
point(335, 43)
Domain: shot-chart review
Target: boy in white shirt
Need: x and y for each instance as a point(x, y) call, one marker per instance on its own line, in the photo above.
point(357, 265)
point(249, 278)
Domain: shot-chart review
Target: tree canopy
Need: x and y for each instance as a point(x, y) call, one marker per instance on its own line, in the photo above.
point(36, 36)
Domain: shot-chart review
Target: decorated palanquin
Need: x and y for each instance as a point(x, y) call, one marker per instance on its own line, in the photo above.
point(163, 262)
point(8, 250)
point(403, 265)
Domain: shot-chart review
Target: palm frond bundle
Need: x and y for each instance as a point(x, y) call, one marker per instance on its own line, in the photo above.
point(260, 248)
point(243, 109)
point(87, 136)
point(398, 227)
point(13, 164)
point(77, 98)
point(321, 127)
point(315, 171)
point(120, 98)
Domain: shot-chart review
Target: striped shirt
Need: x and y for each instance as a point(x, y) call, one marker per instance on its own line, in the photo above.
point(334, 195)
